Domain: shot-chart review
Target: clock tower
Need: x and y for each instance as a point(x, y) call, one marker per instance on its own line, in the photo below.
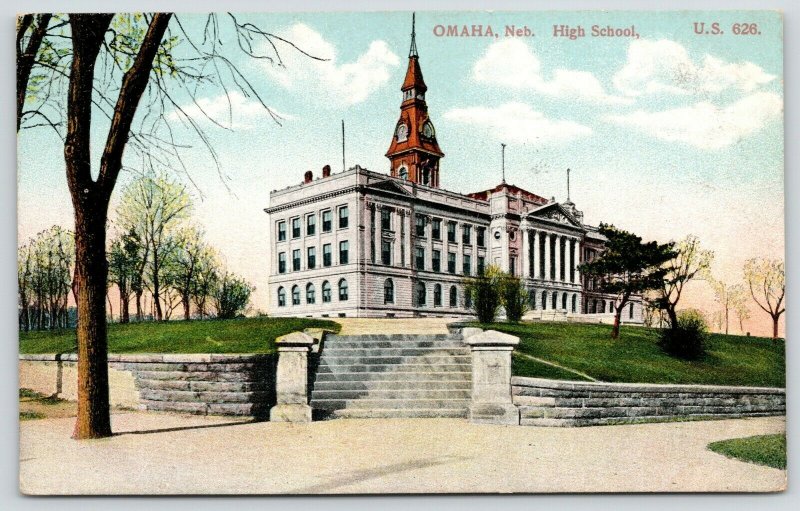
point(414, 153)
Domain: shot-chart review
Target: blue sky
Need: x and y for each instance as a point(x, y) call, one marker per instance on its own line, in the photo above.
point(668, 134)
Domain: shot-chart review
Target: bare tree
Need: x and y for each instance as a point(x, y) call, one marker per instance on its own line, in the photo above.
point(728, 298)
point(767, 282)
point(186, 264)
point(691, 261)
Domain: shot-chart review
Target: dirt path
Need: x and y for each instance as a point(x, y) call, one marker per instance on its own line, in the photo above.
point(167, 454)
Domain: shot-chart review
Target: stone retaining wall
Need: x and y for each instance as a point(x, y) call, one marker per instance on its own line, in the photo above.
point(568, 403)
point(212, 384)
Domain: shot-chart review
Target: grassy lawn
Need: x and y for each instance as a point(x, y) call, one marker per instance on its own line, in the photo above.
point(769, 450)
point(244, 335)
point(635, 357)
point(33, 405)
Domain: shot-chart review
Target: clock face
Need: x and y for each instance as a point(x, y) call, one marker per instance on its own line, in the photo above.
point(427, 130)
point(497, 235)
point(402, 132)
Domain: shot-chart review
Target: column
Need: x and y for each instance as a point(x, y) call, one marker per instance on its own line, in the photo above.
point(536, 256)
point(577, 256)
point(546, 256)
point(291, 379)
point(558, 257)
point(526, 253)
point(491, 401)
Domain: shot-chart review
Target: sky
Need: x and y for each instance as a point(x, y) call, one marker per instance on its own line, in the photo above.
point(667, 133)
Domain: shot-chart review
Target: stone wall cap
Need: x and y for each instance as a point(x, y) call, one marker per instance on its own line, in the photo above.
point(470, 331)
point(295, 339)
point(491, 338)
point(522, 381)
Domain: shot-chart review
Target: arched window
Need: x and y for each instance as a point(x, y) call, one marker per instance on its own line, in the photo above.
point(342, 290)
point(603, 307)
point(555, 300)
point(532, 300)
point(421, 294)
point(281, 297)
point(544, 300)
point(295, 295)
point(630, 312)
point(388, 291)
point(594, 306)
point(453, 296)
point(564, 301)
point(574, 303)
point(437, 295)
point(403, 172)
point(310, 293)
point(467, 299)
point(326, 292)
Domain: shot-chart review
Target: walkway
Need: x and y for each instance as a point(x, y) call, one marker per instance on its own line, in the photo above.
point(166, 454)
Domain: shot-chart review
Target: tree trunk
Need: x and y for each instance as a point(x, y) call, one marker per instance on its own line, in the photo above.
point(27, 58)
point(673, 317)
point(775, 321)
point(615, 330)
point(125, 299)
point(139, 314)
point(186, 306)
point(91, 270)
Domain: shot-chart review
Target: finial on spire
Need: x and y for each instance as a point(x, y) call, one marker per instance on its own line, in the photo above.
point(503, 161)
point(413, 51)
point(568, 200)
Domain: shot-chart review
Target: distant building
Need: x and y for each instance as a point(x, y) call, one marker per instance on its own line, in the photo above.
point(365, 244)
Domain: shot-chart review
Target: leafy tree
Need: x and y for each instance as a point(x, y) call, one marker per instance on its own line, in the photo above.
point(514, 297)
point(232, 296)
point(484, 290)
point(728, 298)
point(767, 282)
point(689, 262)
point(190, 251)
point(628, 267)
point(205, 280)
point(124, 263)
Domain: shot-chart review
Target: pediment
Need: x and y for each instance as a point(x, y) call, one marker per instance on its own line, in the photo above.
point(389, 185)
point(555, 212)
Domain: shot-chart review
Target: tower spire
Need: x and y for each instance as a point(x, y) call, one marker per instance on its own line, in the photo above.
point(412, 52)
point(503, 161)
point(568, 200)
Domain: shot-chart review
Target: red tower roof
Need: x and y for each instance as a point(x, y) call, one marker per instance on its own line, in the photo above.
point(414, 76)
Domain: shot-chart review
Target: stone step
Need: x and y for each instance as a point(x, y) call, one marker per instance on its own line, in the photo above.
point(208, 376)
point(410, 376)
point(329, 352)
point(395, 360)
point(395, 368)
point(237, 409)
point(408, 413)
point(388, 337)
point(391, 344)
point(393, 385)
point(393, 394)
point(201, 386)
point(334, 404)
point(203, 397)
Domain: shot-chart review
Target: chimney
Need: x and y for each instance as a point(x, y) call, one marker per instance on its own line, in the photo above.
point(326, 171)
point(308, 177)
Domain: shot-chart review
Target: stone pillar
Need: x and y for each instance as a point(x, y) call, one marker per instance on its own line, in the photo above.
point(526, 253)
point(291, 380)
point(558, 257)
point(536, 256)
point(577, 257)
point(491, 377)
point(546, 275)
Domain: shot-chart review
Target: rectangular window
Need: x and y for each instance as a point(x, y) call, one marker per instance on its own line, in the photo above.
point(480, 233)
point(312, 258)
point(451, 232)
point(327, 220)
point(344, 218)
point(282, 231)
point(466, 234)
point(296, 259)
point(386, 252)
point(282, 262)
point(436, 261)
point(326, 255)
point(295, 227)
point(512, 266)
point(386, 220)
point(436, 229)
point(451, 262)
point(420, 258)
point(344, 252)
point(420, 226)
point(467, 265)
point(311, 225)
point(481, 264)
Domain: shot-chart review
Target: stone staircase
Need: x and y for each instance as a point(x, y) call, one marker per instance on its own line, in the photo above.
point(382, 376)
point(239, 385)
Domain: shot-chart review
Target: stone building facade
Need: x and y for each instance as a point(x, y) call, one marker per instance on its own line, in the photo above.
point(360, 243)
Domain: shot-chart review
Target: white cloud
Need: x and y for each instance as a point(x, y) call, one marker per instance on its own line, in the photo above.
point(518, 123)
point(232, 110)
point(512, 63)
point(705, 125)
point(330, 81)
point(665, 66)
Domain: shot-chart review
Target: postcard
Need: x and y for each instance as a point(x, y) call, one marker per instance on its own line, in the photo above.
point(401, 252)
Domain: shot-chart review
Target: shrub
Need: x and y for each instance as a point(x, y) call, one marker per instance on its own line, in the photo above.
point(232, 296)
point(689, 339)
point(484, 294)
point(514, 297)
